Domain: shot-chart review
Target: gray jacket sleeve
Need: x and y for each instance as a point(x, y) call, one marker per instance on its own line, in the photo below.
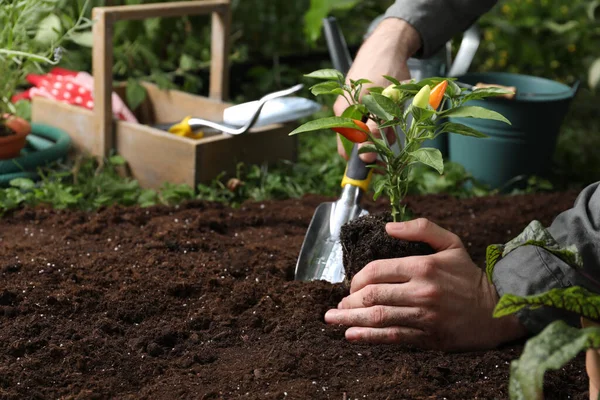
point(531, 270)
point(437, 21)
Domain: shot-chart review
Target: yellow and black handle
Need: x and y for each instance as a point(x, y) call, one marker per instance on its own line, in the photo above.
point(357, 173)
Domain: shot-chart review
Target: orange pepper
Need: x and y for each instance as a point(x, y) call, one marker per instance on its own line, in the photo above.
point(437, 94)
point(354, 135)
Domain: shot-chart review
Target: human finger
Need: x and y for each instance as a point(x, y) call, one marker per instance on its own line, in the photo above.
point(375, 317)
point(423, 230)
point(388, 335)
point(393, 270)
point(381, 294)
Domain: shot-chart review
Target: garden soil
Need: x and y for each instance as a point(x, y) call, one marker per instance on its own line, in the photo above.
point(199, 302)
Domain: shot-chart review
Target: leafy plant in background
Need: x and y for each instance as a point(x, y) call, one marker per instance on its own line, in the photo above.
point(384, 106)
point(30, 35)
point(556, 39)
point(558, 343)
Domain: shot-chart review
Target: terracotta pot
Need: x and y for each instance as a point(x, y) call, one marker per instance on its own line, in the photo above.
point(10, 146)
point(592, 363)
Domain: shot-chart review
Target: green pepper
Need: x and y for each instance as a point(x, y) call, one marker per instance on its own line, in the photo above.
point(421, 99)
point(392, 93)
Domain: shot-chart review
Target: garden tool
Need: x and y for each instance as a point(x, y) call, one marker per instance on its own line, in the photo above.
point(279, 111)
point(321, 253)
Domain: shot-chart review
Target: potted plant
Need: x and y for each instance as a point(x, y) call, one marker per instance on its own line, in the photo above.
point(558, 343)
point(432, 101)
point(30, 36)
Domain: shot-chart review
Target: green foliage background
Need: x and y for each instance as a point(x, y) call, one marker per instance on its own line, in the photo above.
point(275, 42)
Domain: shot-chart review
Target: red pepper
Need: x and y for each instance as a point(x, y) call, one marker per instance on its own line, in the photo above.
point(355, 135)
point(437, 94)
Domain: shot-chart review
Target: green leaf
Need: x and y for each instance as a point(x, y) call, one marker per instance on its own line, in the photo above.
point(187, 62)
point(116, 160)
point(431, 157)
point(493, 254)
point(135, 92)
point(574, 299)
point(421, 114)
point(325, 123)
point(22, 183)
point(355, 111)
point(85, 39)
point(560, 29)
point(327, 74)
point(392, 79)
point(378, 188)
point(473, 112)
point(360, 82)
point(347, 144)
point(49, 30)
point(535, 234)
point(482, 93)
point(376, 89)
point(367, 148)
point(326, 88)
point(557, 344)
point(454, 127)
point(381, 106)
point(148, 198)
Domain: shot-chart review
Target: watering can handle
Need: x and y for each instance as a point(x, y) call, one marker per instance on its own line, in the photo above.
point(466, 52)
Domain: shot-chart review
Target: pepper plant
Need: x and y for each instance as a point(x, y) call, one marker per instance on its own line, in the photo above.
point(430, 102)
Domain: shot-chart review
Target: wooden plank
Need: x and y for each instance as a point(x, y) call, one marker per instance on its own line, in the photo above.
point(219, 52)
point(102, 62)
point(174, 105)
point(78, 122)
point(166, 10)
point(223, 153)
point(155, 157)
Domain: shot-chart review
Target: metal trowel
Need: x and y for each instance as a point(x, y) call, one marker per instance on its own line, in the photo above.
point(321, 253)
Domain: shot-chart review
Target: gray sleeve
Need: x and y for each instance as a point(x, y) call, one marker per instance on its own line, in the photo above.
point(531, 270)
point(437, 21)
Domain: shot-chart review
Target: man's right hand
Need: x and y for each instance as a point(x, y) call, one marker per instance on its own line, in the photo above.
point(385, 52)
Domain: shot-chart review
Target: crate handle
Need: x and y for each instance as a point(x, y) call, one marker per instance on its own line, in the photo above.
point(102, 56)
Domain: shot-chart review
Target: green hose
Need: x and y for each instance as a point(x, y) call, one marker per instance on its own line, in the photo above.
point(45, 144)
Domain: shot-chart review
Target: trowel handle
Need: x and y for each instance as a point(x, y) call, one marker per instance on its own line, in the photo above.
point(357, 173)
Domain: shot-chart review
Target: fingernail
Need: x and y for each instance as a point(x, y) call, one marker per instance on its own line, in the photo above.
point(394, 226)
point(331, 316)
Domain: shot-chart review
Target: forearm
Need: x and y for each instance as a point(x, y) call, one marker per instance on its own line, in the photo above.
point(437, 21)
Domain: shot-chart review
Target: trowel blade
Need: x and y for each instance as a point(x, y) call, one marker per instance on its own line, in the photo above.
point(321, 253)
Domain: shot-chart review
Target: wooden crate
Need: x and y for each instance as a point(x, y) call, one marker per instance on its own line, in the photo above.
point(155, 156)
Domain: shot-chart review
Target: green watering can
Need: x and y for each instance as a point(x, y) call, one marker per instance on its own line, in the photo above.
point(524, 148)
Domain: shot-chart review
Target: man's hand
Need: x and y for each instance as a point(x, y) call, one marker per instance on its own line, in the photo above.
point(442, 301)
point(385, 52)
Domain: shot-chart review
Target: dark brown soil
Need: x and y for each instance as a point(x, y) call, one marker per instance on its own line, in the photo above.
point(5, 131)
point(365, 239)
point(198, 302)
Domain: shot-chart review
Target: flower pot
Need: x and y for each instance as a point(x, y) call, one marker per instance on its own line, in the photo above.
point(592, 363)
point(10, 146)
point(527, 145)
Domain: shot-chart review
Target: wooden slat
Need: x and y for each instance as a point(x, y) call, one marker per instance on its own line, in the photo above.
point(166, 10)
point(102, 62)
point(219, 53)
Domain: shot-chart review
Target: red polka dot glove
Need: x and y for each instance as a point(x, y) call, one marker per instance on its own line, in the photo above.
point(71, 87)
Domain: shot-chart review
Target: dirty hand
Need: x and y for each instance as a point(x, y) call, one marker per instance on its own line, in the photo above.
point(441, 301)
point(385, 52)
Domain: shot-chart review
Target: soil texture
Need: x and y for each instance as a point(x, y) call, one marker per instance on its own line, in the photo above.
point(199, 302)
point(365, 239)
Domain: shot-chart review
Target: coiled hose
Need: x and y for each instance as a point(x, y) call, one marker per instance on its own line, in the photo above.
point(45, 144)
